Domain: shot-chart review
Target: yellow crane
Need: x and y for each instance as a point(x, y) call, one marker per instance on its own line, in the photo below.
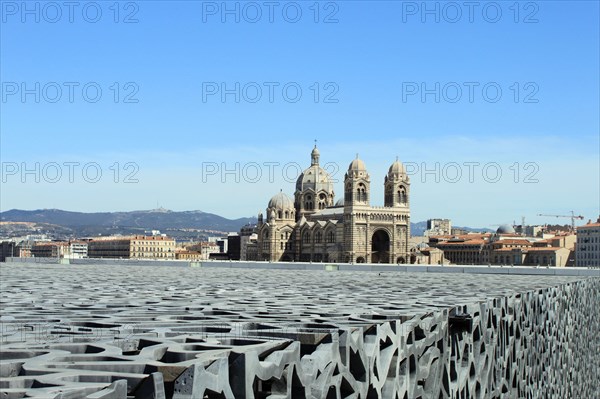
point(572, 216)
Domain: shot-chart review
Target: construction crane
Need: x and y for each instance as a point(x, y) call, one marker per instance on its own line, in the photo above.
point(572, 216)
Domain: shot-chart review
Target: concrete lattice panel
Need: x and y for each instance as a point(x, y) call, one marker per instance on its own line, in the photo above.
point(158, 332)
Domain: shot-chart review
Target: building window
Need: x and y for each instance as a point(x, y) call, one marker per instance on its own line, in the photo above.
point(402, 195)
point(306, 237)
point(361, 193)
point(331, 237)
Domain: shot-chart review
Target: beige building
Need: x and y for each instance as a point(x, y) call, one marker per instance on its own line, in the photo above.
point(199, 251)
point(423, 254)
point(52, 249)
point(506, 248)
point(468, 249)
point(438, 227)
point(78, 249)
point(588, 245)
point(313, 227)
point(136, 247)
point(248, 239)
point(189, 255)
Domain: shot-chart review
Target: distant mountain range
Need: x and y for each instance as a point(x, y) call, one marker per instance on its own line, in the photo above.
point(60, 224)
point(134, 222)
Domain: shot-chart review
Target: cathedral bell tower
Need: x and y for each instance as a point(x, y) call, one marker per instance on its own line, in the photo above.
point(396, 186)
point(357, 184)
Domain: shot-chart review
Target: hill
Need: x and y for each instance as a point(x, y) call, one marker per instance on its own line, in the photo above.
point(134, 222)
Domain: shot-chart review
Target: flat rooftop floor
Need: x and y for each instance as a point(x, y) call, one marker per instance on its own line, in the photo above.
point(83, 298)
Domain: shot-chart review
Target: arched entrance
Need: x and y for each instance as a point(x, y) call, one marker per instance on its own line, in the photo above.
point(380, 247)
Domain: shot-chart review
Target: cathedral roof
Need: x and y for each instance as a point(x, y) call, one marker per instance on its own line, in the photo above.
point(281, 201)
point(357, 165)
point(314, 177)
point(505, 229)
point(397, 168)
point(327, 213)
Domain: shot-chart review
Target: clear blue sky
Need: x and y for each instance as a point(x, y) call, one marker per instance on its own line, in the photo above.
point(366, 59)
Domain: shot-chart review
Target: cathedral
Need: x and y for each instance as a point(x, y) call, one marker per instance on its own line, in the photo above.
point(313, 227)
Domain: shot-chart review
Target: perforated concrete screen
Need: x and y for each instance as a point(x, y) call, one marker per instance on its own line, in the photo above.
point(72, 331)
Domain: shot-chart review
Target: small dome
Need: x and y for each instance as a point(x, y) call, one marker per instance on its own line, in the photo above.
point(505, 229)
point(281, 201)
point(340, 202)
point(357, 165)
point(422, 245)
point(397, 168)
point(314, 156)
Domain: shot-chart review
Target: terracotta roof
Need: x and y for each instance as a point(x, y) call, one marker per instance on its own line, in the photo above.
point(49, 243)
point(513, 241)
point(589, 225)
point(529, 249)
point(461, 236)
point(540, 249)
point(510, 235)
point(139, 238)
point(468, 242)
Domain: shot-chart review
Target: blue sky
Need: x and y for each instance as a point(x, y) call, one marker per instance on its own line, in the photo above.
point(364, 58)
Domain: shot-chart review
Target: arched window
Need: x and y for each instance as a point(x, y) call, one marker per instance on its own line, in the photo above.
point(331, 237)
point(306, 237)
point(318, 237)
point(361, 193)
point(402, 198)
point(308, 203)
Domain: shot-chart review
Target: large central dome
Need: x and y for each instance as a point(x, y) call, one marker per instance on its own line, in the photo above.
point(314, 177)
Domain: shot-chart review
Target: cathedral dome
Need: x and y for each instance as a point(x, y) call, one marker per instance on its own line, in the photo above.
point(281, 201)
point(314, 177)
point(340, 202)
point(397, 168)
point(357, 165)
point(505, 229)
